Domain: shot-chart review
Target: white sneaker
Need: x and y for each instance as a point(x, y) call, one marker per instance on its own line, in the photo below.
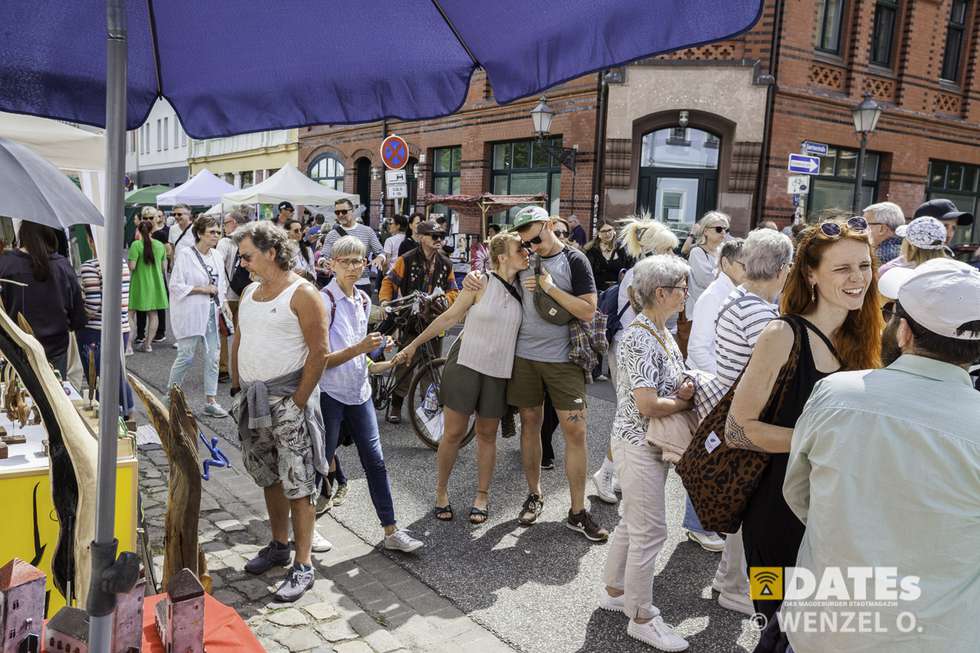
point(657, 634)
point(320, 543)
point(707, 541)
point(400, 540)
point(602, 480)
point(215, 410)
point(736, 603)
point(612, 603)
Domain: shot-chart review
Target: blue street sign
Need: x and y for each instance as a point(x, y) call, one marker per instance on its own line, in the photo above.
point(796, 200)
point(816, 149)
point(802, 164)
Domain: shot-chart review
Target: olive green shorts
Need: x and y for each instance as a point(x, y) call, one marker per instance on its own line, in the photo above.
point(565, 383)
point(467, 391)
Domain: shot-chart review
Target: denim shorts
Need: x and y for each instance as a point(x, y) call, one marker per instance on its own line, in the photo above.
point(282, 452)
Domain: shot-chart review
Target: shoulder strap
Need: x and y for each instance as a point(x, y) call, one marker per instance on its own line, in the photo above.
point(333, 305)
point(809, 325)
point(340, 230)
point(182, 234)
point(622, 311)
point(515, 293)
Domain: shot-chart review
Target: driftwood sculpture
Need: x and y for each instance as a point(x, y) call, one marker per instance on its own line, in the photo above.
point(73, 457)
point(178, 435)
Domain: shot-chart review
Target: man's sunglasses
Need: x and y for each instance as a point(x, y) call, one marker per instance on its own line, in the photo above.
point(437, 238)
point(341, 212)
point(526, 244)
point(833, 229)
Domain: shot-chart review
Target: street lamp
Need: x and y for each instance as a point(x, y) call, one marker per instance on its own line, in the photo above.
point(865, 117)
point(541, 116)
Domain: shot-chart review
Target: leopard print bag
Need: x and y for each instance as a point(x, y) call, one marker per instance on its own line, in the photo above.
point(720, 479)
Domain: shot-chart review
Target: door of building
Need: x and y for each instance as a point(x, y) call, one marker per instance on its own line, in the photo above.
point(678, 176)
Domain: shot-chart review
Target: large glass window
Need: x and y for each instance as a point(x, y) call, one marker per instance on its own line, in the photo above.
point(833, 187)
point(955, 36)
point(830, 20)
point(445, 176)
point(883, 36)
point(959, 183)
point(526, 168)
point(679, 148)
point(327, 169)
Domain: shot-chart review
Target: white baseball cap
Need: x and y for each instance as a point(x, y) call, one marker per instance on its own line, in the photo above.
point(941, 295)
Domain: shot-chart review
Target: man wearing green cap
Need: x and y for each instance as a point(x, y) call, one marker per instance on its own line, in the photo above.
point(541, 364)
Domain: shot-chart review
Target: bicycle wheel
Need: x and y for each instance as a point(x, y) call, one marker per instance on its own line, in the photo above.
point(425, 409)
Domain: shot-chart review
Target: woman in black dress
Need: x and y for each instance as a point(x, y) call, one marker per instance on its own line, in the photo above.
point(830, 303)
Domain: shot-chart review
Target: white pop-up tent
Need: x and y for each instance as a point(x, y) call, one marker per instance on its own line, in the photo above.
point(203, 189)
point(291, 185)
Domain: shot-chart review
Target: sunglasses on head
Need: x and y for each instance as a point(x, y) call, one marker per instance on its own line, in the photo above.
point(833, 229)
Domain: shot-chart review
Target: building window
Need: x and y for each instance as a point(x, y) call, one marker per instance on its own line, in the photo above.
point(159, 133)
point(327, 170)
point(183, 137)
point(445, 176)
point(166, 133)
point(830, 20)
point(833, 187)
point(176, 133)
point(955, 36)
point(678, 136)
point(960, 184)
point(247, 179)
point(883, 35)
point(526, 168)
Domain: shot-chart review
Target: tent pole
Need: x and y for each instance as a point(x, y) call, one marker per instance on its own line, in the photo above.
point(101, 603)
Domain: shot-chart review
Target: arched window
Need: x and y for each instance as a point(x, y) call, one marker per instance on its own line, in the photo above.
point(327, 170)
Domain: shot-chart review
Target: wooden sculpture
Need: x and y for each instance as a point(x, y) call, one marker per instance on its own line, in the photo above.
point(178, 435)
point(180, 615)
point(73, 458)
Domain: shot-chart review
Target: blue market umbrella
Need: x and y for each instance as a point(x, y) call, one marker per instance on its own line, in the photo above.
point(32, 189)
point(234, 67)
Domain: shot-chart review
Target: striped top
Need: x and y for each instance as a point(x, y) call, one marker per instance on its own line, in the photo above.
point(743, 317)
point(363, 233)
point(490, 331)
point(90, 278)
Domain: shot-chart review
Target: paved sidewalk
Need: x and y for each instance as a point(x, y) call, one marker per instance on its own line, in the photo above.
point(362, 601)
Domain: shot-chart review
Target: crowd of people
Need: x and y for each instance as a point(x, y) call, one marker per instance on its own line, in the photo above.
point(838, 352)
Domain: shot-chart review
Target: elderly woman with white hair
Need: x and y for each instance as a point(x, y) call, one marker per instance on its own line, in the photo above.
point(883, 219)
point(703, 255)
point(642, 237)
point(651, 385)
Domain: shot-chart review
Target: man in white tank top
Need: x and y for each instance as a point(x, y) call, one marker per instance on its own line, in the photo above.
point(277, 399)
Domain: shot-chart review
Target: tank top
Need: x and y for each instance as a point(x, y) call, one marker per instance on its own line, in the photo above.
point(771, 530)
point(267, 327)
point(490, 331)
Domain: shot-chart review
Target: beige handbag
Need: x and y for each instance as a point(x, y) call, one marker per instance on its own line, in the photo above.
point(672, 434)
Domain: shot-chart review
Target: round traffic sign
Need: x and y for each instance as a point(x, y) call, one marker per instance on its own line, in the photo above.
point(394, 152)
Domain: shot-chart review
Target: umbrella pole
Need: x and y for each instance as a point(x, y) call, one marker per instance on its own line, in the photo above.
point(100, 601)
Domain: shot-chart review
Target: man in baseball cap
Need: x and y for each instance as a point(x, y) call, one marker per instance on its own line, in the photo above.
point(947, 212)
point(883, 471)
point(285, 213)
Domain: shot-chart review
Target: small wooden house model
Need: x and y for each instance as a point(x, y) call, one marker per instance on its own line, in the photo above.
point(127, 620)
point(21, 605)
point(180, 616)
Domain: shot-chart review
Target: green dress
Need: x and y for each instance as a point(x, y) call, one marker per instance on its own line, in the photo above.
point(147, 291)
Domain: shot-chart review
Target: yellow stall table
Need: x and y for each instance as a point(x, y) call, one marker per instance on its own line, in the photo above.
point(29, 523)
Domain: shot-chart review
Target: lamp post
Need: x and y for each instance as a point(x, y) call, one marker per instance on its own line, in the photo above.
point(541, 117)
point(865, 117)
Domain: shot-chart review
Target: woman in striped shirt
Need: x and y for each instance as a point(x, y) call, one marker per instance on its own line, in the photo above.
point(90, 336)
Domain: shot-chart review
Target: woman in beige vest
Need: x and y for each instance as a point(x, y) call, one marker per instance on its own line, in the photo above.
point(477, 369)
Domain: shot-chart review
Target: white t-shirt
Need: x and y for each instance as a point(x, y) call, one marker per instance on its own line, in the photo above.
point(174, 237)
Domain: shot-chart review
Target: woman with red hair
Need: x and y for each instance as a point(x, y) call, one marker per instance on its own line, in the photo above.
point(831, 321)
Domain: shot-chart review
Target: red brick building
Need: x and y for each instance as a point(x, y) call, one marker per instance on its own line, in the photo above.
point(481, 148)
point(712, 127)
point(749, 102)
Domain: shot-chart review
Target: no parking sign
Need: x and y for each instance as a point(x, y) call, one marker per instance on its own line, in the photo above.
point(394, 152)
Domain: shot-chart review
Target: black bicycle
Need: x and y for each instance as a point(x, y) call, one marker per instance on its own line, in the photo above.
point(411, 314)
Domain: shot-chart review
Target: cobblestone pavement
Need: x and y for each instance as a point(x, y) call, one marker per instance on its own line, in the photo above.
point(361, 602)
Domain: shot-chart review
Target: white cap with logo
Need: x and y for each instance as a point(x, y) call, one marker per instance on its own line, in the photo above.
point(941, 295)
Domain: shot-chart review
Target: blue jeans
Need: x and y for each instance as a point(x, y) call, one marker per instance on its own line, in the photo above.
point(92, 339)
point(691, 521)
point(187, 347)
point(364, 426)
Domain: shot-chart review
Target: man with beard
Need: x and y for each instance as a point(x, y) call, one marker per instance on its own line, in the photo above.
point(883, 472)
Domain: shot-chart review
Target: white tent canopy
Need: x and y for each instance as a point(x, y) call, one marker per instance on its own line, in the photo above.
point(289, 184)
point(67, 147)
point(203, 189)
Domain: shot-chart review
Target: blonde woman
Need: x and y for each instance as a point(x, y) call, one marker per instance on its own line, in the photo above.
point(642, 237)
point(922, 239)
point(703, 256)
point(477, 368)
